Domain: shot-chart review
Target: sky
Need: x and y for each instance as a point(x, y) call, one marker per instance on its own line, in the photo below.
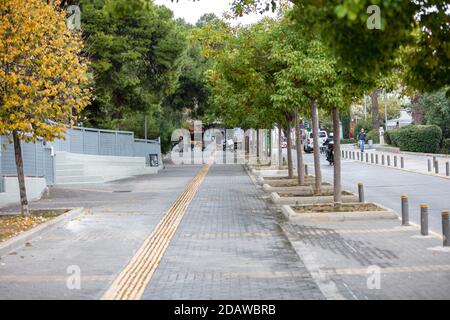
point(191, 11)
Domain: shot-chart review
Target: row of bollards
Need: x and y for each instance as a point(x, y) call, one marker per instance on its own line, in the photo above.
point(423, 216)
point(424, 220)
point(374, 159)
point(435, 166)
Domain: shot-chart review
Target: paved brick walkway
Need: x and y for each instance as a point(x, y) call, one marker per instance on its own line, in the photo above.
point(411, 266)
point(230, 246)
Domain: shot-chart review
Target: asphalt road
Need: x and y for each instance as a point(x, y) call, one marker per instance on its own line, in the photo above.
point(387, 185)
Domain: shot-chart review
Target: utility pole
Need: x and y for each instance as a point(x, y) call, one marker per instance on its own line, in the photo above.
point(145, 127)
point(385, 108)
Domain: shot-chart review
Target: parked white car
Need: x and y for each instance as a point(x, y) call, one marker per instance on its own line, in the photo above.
point(308, 143)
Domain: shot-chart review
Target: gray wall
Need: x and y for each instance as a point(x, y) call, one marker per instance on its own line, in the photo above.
point(38, 160)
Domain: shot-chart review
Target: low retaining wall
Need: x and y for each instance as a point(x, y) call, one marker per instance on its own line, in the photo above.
point(35, 189)
point(73, 168)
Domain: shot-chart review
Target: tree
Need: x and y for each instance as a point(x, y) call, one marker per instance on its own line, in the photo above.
point(44, 78)
point(137, 49)
point(436, 106)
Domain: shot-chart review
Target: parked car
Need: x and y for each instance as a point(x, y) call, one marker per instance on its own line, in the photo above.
point(308, 143)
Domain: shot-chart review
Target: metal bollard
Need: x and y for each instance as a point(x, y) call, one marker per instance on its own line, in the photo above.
point(429, 165)
point(382, 159)
point(446, 228)
point(361, 192)
point(354, 155)
point(362, 156)
point(367, 157)
point(436, 167)
point(447, 169)
point(405, 211)
point(357, 155)
point(306, 169)
point(402, 162)
point(371, 158)
point(388, 161)
point(376, 159)
point(424, 219)
point(343, 154)
point(395, 161)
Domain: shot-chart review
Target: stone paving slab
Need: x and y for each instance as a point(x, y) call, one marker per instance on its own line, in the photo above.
point(100, 242)
point(345, 250)
point(230, 246)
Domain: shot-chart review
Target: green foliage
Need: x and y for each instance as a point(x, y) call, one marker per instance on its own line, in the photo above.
point(446, 146)
point(436, 106)
point(136, 49)
point(373, 135)
point(365, 124)
point(348, 141)
point(425, 139)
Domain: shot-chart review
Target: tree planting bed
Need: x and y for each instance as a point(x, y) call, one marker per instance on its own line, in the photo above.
point(338, 212)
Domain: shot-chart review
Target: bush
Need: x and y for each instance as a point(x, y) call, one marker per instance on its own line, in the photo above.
point(373, 135)
point(417, 138)
point(363, 124)
point(446, 146)
point(348, 141)
point(387, 138)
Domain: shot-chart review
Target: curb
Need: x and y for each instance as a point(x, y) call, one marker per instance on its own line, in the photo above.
point(21, 239)
point(397, 168)
point(294, 217)
point(275, 197)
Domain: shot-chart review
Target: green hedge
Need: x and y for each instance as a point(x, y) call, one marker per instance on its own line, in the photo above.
point(348, 141)
point(446, 146)
point(425, 139)
point(373, 135)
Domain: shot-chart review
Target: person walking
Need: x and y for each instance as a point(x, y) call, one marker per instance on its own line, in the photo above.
point(362, 139)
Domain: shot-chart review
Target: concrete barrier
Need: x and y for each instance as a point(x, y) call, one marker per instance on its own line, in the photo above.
point(36, 187)
point(277, 199)
point(73, 168)
point(295, 217)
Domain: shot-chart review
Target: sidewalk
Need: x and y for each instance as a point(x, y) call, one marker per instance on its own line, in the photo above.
point(346, 256)
point(343, 257)
point(412, 162)
point(118, 217)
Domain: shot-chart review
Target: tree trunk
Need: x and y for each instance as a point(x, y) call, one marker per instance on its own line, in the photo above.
point(375, 110)
point(20, 174)
point(280, 147)
point(289, 148)
point(337, 157)
point(317, 171)
point(298, 142)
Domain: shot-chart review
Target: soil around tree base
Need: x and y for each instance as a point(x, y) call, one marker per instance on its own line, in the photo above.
point(13, 225)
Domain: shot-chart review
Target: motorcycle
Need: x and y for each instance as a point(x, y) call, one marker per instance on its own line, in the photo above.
point(329, 151)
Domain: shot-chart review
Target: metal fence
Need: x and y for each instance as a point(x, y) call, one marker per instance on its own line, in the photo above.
point(107, 143)
point(38, 157)
point(37, 160)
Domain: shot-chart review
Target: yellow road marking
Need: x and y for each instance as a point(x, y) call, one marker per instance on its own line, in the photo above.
point(132, 281)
